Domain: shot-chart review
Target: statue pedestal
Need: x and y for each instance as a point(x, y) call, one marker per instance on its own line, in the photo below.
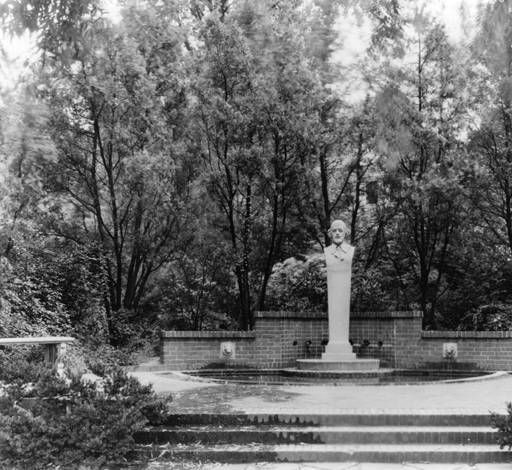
point(338, 351)
point(339, 273)
point(338, 355)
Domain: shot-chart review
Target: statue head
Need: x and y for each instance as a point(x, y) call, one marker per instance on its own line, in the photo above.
point(337, 231)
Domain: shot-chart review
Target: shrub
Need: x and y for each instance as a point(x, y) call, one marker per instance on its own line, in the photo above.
point(504, 426)
point(298, 284)
point(69, 422)
point(301, 284)
point(20, 365)
point(102, 358)
point(373, 289)
point(492, 317)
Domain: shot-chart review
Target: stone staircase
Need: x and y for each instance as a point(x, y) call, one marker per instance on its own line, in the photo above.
point(393, 438)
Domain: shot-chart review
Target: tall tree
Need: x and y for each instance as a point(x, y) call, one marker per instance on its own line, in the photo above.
point(342, 142)
point(491, 143)
point(421, 112)
point(252, 91)
point(117, 123)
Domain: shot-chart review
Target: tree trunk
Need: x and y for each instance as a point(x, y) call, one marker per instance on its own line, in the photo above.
point(324, 181)
point(245, 293)
point(357, 198)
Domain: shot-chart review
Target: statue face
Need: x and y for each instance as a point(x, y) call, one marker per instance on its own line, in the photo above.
point(337, 233)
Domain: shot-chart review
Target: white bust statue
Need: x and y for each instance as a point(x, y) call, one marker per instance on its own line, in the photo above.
point(339, 252)
point(338, 258)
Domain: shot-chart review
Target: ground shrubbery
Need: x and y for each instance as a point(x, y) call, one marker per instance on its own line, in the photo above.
point(301, 284)
point(298, 284)
point(72, 420)
point(504, 426)
point(492, 317)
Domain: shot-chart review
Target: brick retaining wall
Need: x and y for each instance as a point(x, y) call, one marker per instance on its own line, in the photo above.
point(279, 338)
point(182, 350)
point(487, 350)
point(381, 335)
point(283, 337)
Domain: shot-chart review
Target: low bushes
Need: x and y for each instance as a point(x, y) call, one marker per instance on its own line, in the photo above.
point(298, 284)
point(492, 317)
point(47, 421)
point(504, 426)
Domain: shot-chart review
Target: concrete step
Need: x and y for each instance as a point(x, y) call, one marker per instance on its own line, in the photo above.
point(269, 434)
point(346, 419)
point(413, 453)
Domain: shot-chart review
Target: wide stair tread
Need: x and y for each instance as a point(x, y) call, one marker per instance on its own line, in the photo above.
point(395, 438)
point(287, 428)
point(435, 453)
point(315, 434)
point(345, 419)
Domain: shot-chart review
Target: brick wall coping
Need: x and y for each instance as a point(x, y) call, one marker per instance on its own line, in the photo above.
point(323, 315)
point(209, 334)
point(288, 314)
point(384, 315)
point(466, 334)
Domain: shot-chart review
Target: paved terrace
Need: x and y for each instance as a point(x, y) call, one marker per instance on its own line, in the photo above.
point(204, 396)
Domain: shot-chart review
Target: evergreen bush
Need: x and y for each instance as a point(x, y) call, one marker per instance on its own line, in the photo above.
point(298, 284)
point(491, 317)
point(47, 421)
point(504, 426)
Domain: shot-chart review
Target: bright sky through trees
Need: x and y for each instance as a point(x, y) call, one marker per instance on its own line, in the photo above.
point(17, 52)
point(459, 17)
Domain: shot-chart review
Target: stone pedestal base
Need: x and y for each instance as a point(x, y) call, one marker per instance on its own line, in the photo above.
point(352, 365)
point(338, 352)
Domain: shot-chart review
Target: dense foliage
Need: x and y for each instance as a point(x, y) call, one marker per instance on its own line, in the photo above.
point(72, 421)
point(503, 425)
point(179, 167)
